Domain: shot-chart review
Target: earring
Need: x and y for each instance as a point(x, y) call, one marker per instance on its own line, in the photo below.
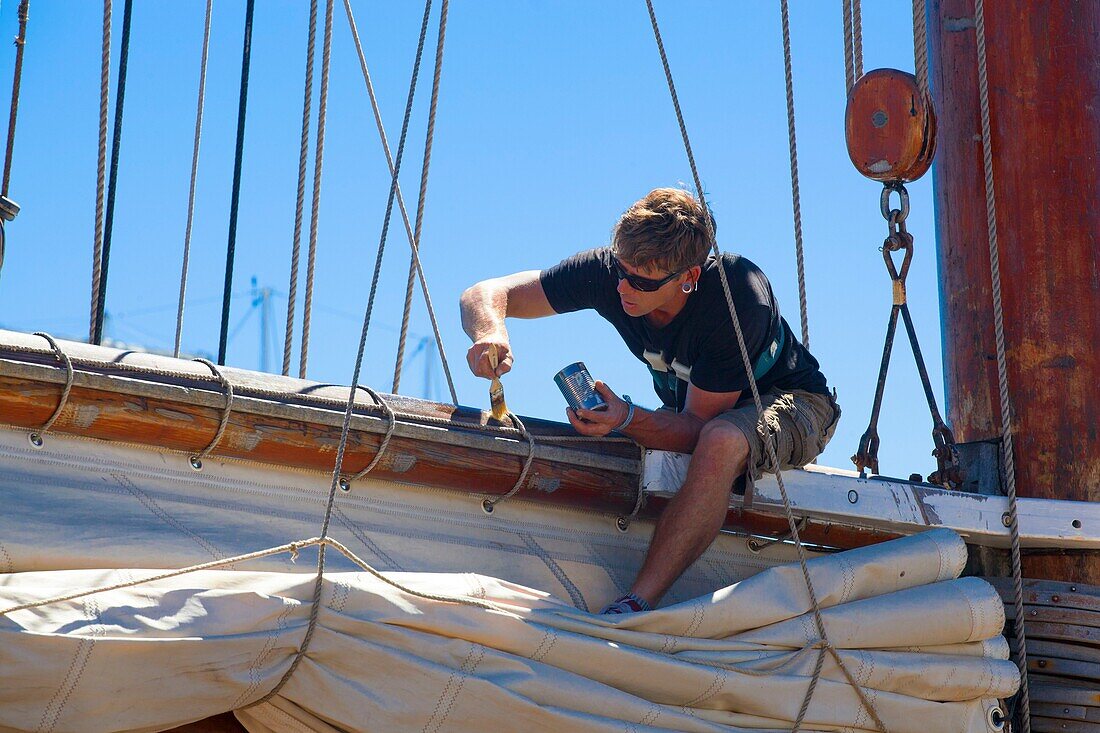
point(687, 287)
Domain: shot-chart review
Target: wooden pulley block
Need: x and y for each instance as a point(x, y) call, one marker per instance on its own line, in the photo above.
point(890, 126)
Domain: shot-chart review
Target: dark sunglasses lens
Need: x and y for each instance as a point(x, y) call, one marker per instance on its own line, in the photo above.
point(645, 285)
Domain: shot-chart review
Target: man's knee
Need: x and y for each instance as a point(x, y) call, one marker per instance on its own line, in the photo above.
point(722, 438)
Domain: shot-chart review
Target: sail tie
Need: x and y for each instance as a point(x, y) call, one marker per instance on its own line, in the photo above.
point(36, 436)
point(227, 410)
point(194, 176)
point(768, 444)
point(391, 426)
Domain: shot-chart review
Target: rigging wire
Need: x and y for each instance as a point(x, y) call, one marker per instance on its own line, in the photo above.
point(796, 201)
point(17, 76)
point(1008, 453)
point(112, 182)
point(401, 202)
point(318, 158)
point(299, 204)
point(246, 54)
point(349, 408)
point(194, 175)
point(104, 101)
point(768, 444)
point(422, 200)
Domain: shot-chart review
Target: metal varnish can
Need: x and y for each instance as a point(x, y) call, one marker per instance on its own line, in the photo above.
point(577, 386)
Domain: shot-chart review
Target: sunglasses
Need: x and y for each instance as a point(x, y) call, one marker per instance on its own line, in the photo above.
point(643, 284)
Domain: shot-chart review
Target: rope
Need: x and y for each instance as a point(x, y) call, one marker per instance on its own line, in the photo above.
point(112, 182)
point(853, 42)
point(196, 460)
point(194, 176)
point(238, 157)
point(422, 200)
point(796, 202)
point(66, 362)
point(624, 523)
point(299, 205)
point(400, 201)
point(391, 418)
point(490, 504)
point(1002, 368)
point(17, 77)
point(104, 102)
point(318, 158)
point(769, 446)
point(920, 46)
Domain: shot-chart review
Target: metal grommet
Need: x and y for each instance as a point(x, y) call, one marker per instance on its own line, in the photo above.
point(344, 485)
point(1006, 520)
point(487, 506)
point(754, 546)
point(996, 718)
point(853, 496)
point(622, 524)
point(196, 463)
point(35, 440)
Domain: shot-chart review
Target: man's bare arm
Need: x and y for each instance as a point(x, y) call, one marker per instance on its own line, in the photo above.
point(484, 307)
point(658, 429)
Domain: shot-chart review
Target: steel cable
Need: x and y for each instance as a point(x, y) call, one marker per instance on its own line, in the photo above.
point(194, 176)
point(318, 159)
point(112, 181)
point(238, 158)
point(101, 166)
point(299, 204)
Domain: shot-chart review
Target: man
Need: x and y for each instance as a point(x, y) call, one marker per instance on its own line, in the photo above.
point(661, 290)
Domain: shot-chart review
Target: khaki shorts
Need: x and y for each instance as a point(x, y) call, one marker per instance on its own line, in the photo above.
point(800, 424)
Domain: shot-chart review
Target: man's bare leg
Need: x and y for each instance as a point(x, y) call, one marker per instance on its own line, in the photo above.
point(694, 516)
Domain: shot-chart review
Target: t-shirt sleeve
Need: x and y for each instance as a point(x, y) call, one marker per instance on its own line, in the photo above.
point(579, 282)
point(720, 366)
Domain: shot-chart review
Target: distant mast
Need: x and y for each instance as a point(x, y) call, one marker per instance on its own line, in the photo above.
point(1043, 64)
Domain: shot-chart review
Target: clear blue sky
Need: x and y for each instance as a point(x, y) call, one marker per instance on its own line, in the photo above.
point(553, 118)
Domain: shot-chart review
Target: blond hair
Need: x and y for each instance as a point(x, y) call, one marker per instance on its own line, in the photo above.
point(667, 228)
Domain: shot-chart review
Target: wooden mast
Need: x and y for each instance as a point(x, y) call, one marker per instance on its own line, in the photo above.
point(1043, 64)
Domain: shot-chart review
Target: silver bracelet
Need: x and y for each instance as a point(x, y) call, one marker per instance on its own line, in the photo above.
point(629, 414)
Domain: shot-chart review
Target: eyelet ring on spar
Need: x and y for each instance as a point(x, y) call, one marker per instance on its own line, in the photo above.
point(344, 484)
point(487, 506)
point(996, 718)
point(196, 459)
point(622, 524)
point(36, 437)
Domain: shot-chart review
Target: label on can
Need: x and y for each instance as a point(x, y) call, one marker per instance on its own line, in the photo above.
point(578, 388)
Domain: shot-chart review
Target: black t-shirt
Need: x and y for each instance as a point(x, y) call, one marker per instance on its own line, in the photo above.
point(699, 345)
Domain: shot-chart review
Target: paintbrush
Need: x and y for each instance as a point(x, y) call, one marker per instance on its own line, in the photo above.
point(496, 389)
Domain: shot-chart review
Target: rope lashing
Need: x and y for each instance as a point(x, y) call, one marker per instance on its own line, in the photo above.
point(391, 426)
point(238, 157)
point(16, 83)
point(422, 199)
point(112, 183)
point(1005, 395)
point(318, 158)
point(67, 364)
point(401, 202)
point(948, 472)
point(299, 202)
point(101, 167)
point(227, 387)
point(623, 523)
point(489, 505)
point(768, 444)
point(796, 201)
point(194, 177)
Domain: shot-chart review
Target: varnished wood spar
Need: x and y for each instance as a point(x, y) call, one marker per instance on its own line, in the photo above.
point(1045, 124)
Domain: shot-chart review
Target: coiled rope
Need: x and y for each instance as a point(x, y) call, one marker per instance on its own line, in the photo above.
point(768, 444)
point(194, 176)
